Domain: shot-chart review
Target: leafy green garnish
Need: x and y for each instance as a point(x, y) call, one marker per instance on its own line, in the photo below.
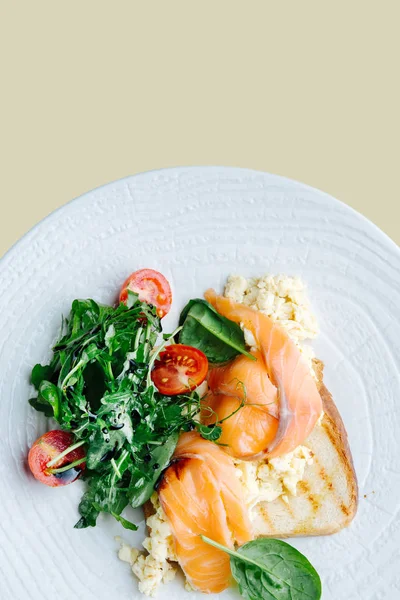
point(160, 459)
point(98, 386)
point(40, 373)
point(204, 328)
point(210, 432)
point(268, 569)
point(99, 444)
point(124, 522)
point(50, 393)
point(40, 406)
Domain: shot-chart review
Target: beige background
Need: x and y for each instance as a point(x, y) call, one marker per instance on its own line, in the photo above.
point(94, 90)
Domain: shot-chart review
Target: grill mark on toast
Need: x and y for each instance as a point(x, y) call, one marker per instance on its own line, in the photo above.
point(315, 502)
point(345, 509)
point(328, 432)
point(313, 499)
point(327, 480)
point(266, 517)
point(303, 487)
point(328, 483)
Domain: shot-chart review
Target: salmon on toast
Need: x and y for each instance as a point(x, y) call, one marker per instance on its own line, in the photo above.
point(189, 495)
point(244, 401)
point(293, 391)
point(201, 495)
point(191, 444)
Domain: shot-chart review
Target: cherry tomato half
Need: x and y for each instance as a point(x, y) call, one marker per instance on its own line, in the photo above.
point(49, 446)
point(179, 369)
point(152, 288)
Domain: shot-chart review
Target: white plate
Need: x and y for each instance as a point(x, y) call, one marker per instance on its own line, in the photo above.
point(197, 225)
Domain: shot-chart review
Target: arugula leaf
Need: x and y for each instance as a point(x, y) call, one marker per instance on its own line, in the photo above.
point(88, 511)
point(121, 465)
point(91, 352)
point(103, 443)
point(204, 328)
point(102, 496)
point(132, 298)
point(84, 314)
point(160, 459)
point(268, 569)
point(124, 522)
point(85, 318)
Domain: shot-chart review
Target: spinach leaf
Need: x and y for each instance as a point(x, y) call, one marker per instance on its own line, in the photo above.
point(41, 373)
point(205, 329)
point(40, 406)
point(268, 569)
point(160, 459)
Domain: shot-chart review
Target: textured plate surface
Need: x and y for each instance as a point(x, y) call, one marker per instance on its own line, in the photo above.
point(197, 225)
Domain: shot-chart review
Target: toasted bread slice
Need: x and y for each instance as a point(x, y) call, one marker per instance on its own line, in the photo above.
point(148, 510)
point(327, 497)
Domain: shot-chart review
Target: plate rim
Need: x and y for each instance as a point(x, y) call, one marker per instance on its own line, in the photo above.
point(186, 168)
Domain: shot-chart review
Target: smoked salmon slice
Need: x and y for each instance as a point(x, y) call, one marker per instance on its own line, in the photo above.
point(246, 405)
point(190, 498)
point(297, 400)
point(192, 445)
point(201, 495)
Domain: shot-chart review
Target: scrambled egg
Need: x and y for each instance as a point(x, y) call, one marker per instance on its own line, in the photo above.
point(153, 568)
point(282, 298)
point(268, 479)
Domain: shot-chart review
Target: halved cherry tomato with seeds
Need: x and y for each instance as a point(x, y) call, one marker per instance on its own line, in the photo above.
point(179, 369)
point(59, 472)
point(152, 288)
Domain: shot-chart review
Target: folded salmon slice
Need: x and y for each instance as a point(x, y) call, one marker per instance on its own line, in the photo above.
point(201, 495)
point(191, 501)
point(280, 376)
point(249, 413)
point(192, 445)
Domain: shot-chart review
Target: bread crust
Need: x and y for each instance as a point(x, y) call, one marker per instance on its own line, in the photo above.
point(335, 429)
point(148, 510)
